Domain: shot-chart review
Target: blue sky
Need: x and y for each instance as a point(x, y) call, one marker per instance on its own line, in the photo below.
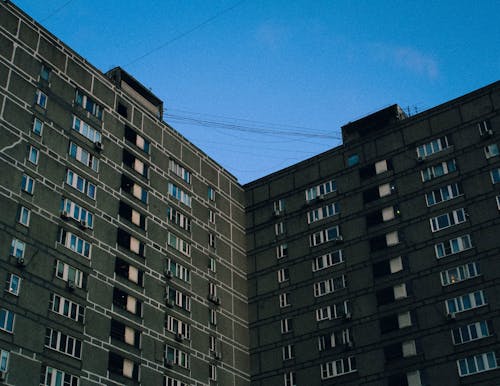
point(266, 84)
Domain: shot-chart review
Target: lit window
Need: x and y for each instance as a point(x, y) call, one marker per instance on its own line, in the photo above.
point(34, 153)
point(24, 216)
point(37, 126)
point(41, 99)
point(27, 184)
point(13, 284)
point(462, 272)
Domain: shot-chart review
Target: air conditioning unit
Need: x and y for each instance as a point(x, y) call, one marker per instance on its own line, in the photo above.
point(98, 146)
point(64, 214)
point(450, 316)
point(70, 285)
point(179, 337)
point(169, 363)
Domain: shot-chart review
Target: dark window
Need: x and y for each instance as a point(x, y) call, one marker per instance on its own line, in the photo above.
point(121, 299)
point(393, 351)
point(374, 218)
point(371, 194)
point(118, 331)
point(381, 269)
point(139, 166)
point(117, 365)
point(377, 243)
point(122, 110)
point(367, 171)
point(129, 272)
point(127, 183)
point(389, 323)
point(385, 296)
point(129, 242)
point(126, 212)
point(397, 380)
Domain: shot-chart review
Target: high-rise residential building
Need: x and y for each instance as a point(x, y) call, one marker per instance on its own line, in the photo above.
point(129, 257)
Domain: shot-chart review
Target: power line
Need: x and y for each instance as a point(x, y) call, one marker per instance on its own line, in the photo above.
point(185, 33)
point(56, 11)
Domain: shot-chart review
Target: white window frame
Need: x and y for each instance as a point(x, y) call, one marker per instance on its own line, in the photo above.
point(460, 273)
point(445, 193)
point(465, 302)
point(178, 270)
point(57, 344)
point(338, 367)
point(478, 363)
point(13, 284)
point(178, 327)
point(211, 193)
point(76, 244)
point(7, 320)
point(212, 372)
point(470, 332)
point(41, 99)
point(283, 275)
point(498, 202)
point(455, 217)
point(83, 156)
point(279, 206)
point(453, 246)
point(179, 244)
point(56, 377)
point(178, 357)
point(321, 190)
point(179, 218)
point(173, 382)
point(27, 184)
point(288, 352)
point(323, 212)
point(284, 300)
point(286, 325)
point(68, 273)
point(4, 360)
point(77, 212)
point(438, 170)
point(281, 251)
point(279, 228)
point(329, 286)
point(491, 151)
point(86, 130)
point(33, 151)
point(85, 102)
point(435, 146)
point(67, 308)
point(327, 260)
point(179, 194)
point(24, 216)
point(81, 184)
point(495, 175)
point(179, 171)
point(325, 235)
point(37, 127)
point(17, 248)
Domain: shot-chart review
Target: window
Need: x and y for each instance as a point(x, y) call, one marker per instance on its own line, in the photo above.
point(83, 156)
point(400, 350)
point(88, 104)
point(179, 171)
point(288, 352)
point(179, 194)
point(70, 209)
point(126, 212)
point(338, 367)
point(381, 242)
point(391, 294)
point(135, 163)
point(213, 317)
point(212, 264)
point(491, 150)
point(211, 216)
point(279, 228)
point(453, 246)
point(41, 99)
point(387, 267)
point(122, 109)
point(178, 298)
point(65, 307)
point(377, 192)
point(286, 325)
point(74, 243)
point(445, 193)
point(495, 175)
point(129, 186)
point(411, 378)
point(211, 193)
point(438, 170)
point(122, 366)
point(69, 273)
point(279, 206)
point(477, 364)
point(173, 382)
point(177, 327)
point(174, 356)
point(4, 360)
point(325, 235)
point(129, 242)
point(13, 284)
point(470, 332)
point(375, 169)
point(211, 240)
point(281, 251)
point(447, 220)
point(80, 184)
point(45, 72)
point(484, 128)
point(37, 126)
point(432, 147)
point(321, 190)
point(284, 300)
point(327, 260)
point(465, 302)
point(33, 155)
point(23, 216)
point(179, 244)
point(136, 139)
point(283, 275)
point(86, 130)
point(353, 160)
point(328, 286)
point(335, 311)
point(212, 372)
point(63, 343)
point(323, 212)
point(27, 184)
point(498, 202)
point(395, 322)
point(382, 215)
point(17, 248)
point(178, 270)
point(328, 341)
point(462, 272)
point(126, 302)
point(51, 376)
point(6, 320)
point(129, 272)
point(290, 379)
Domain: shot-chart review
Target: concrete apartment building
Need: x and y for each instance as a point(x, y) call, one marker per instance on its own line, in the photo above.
point(129, 257)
